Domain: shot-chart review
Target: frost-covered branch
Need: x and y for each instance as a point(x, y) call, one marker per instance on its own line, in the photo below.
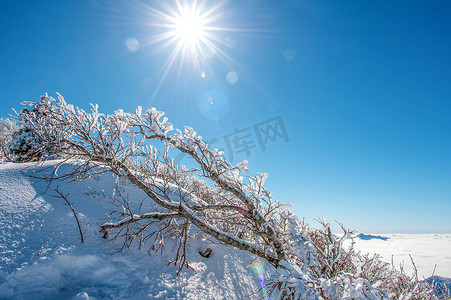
point(212, 199)
point(119, 143)
point(136, 218)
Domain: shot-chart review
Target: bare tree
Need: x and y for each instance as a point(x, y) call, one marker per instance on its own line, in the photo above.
point(210, 197)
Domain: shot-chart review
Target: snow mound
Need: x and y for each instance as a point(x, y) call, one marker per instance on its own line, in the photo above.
point(42, 256)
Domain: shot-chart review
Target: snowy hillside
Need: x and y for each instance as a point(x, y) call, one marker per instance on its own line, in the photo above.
point(42, 256)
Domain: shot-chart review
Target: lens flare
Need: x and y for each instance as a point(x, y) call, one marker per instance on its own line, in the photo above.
point(257, 267)
point(289, 54)
point(132, 44)
point(232, 77)
point(214, 105)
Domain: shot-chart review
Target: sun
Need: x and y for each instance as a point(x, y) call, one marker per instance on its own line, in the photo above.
point(189, 27)
point(189, 31)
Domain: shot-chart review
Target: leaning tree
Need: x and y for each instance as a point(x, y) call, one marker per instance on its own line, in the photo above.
point(210, 197)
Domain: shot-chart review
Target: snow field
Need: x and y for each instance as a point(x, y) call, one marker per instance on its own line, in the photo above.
point(42, 257)
point(427, 250)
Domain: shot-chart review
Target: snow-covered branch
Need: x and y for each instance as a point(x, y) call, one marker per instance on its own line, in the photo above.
point(213, 198)
point(222, 208)
point(136, 218)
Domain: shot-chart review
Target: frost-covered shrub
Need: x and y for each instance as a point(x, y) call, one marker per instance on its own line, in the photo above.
point(7, 130)
point(210, 199)
point(26, 145)
point(17, 143)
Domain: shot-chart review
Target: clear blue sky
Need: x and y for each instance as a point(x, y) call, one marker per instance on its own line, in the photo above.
point(363, 89)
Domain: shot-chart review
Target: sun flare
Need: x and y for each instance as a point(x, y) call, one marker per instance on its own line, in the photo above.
point(192, 33)
point(189, 27)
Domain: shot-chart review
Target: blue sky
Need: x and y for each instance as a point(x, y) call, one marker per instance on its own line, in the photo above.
point(363, 89)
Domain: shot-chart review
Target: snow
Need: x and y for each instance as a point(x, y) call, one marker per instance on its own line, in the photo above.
point(42, 256)
point(427, 250)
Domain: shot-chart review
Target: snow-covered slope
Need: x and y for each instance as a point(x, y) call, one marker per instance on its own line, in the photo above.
point(42, 256)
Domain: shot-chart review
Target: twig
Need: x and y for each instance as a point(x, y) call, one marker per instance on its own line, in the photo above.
point(433, 272)
point(61, 195)
point(414, 267)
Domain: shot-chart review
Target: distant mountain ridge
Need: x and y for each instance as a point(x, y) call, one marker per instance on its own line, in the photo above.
point(367, 237)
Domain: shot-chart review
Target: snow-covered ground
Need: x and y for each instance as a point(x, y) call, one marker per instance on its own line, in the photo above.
point(41, 256)
point(427, 250)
